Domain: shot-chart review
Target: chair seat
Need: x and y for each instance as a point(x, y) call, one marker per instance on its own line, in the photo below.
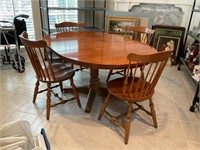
point(61, 71)
point(115, 87)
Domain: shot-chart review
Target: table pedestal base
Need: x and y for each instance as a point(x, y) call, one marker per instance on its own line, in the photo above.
point(93, 89)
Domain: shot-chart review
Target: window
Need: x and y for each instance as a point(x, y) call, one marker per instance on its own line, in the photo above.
point(59, 15)
point(11, 8)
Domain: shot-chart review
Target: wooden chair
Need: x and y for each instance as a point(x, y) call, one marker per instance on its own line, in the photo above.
point(136, 88)
point(47, 72)
point(141, 34)
point(68, 27)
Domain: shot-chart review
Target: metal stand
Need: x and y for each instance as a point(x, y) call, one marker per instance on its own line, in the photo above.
point(195, 103)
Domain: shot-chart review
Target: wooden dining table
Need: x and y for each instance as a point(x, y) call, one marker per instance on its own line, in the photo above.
point(95, 50)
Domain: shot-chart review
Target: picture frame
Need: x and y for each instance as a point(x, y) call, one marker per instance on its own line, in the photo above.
point(116, 24)
point(167, 30)
point(166, 43)
point(173, 31)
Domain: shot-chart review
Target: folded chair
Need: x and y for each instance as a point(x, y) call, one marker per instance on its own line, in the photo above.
point(47, 72)
point(141, 34)
point(136, 88)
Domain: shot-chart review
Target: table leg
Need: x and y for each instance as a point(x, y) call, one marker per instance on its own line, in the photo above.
point(93, 88)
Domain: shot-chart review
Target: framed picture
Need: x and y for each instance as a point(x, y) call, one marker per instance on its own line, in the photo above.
point(116, 24)
point(170, 31)
point(167, 30)
point(166, 43)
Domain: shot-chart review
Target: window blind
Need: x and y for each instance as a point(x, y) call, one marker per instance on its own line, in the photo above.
point(57, 15)
point(11, 8)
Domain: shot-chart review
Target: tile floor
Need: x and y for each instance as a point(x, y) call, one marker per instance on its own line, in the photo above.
point(70, 128)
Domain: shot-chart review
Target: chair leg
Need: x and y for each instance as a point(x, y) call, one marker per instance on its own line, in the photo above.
point(75, 92)
point(72, 65)
point(124, 72)
point(153, 113)
point(109, 74)
point(48, 102)
point(104, 105)
point(36, 90)
point(61, 86)
point(128, 123)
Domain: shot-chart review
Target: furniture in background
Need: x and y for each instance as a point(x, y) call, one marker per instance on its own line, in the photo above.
point(190, 54)
point(89, 8)
point(194, 44)
point(95, 50)
point(136, 88)
point(47, 72)
point(141, 34)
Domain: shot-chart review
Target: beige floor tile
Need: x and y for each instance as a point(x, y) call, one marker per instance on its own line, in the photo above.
point(62, 110)
point(71, 128)
point(163, 95)
point(170, 144)
point(30, 107)
point(16, 115)
point(187, 116)
point(4, 114)
point(166, 112)
point(173, 78)
point(191, 131)
point(193, 146)
point(182, 96)
point(170, 129)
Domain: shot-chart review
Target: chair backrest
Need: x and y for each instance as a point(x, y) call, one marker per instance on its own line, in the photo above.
point(145, 74)
point(37, 52)
point(142, 34)
point(69, 26)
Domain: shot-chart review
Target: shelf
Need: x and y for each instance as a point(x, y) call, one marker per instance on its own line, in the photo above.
point(92, 12)
point(80, 9)
point(93, 29)
point(188, 70)
point(194, 36)
point(196, 10)
point(191, 34)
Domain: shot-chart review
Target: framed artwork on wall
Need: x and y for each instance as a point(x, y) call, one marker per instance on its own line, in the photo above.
point(164, 32)
point(166, 43)
point(116, 24)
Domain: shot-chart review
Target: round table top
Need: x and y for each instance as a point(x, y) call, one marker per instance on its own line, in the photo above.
point(95, 49)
